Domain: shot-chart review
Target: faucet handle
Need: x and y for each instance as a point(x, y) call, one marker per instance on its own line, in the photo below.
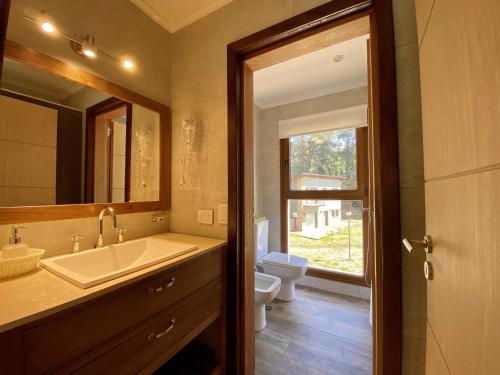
point(76, 242)
point(120, 232)
point(16, 237)
point(157, 218)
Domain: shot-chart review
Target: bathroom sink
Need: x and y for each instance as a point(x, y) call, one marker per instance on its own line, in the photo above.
point(93, 267)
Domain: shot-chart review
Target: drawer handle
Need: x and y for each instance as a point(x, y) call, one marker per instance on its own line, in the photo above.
point(154, 336)
point(161, 288)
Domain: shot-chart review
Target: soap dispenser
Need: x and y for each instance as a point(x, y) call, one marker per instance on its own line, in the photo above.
point(15, 247)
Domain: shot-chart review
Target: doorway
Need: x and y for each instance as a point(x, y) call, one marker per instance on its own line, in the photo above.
point(108, 131)
point(311, 204)
point(284, 41)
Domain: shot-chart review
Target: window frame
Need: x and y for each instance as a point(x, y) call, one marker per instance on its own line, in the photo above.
point(361, 194)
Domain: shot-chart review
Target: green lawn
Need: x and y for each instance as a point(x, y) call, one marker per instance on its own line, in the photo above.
point(332, 251)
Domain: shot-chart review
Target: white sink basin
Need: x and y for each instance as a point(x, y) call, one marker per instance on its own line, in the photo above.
point(93, 267)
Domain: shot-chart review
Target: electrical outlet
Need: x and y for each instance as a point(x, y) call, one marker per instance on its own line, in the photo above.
point(205, 216)
point(222, 213)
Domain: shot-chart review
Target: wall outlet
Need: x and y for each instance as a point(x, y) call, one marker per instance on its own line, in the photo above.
point(205, 216)
point(222, 213)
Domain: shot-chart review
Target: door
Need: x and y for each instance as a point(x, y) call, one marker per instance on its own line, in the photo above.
point(460, 79)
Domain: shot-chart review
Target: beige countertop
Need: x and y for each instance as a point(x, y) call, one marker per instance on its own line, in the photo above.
point(40, 293)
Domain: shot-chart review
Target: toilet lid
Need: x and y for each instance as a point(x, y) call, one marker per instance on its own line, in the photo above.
point(285, 260)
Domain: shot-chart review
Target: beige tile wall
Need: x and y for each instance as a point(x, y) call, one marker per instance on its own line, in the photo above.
point(411, 185)
point(55, 236)
point(267, 149)
point(27, 153)
point(199, 86)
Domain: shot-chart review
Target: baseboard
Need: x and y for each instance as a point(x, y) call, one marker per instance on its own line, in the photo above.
point(336, 287)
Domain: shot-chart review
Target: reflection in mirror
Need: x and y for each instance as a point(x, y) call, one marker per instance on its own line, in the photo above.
point(65, 143)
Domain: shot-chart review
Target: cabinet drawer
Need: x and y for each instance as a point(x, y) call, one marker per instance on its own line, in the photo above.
point(157, 338)
point(67, 336)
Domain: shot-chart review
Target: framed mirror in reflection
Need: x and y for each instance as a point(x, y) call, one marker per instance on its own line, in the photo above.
point(62, 142)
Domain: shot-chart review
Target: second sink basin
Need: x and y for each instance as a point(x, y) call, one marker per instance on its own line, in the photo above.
point(93, 267)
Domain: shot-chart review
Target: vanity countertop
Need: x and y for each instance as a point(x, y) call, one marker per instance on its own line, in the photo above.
point(41, 293)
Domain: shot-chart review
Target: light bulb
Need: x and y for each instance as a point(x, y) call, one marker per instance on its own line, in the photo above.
point(48, 27)
point(128, 64)
point(89, 53)
point(88, 47)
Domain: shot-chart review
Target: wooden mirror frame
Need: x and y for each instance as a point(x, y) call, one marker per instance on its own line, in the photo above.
point(23, 214)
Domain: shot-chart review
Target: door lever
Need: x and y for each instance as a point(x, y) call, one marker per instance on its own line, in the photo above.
point(426, 243)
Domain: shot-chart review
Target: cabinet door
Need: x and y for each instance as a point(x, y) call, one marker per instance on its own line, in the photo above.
point(163, 337)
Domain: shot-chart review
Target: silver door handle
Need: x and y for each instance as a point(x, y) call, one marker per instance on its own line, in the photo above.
point(426, 243)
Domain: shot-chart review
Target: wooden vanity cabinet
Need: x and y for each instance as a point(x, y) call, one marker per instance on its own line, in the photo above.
point(134, 329)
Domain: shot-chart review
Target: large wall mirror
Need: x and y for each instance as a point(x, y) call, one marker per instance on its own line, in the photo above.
point(71, 141)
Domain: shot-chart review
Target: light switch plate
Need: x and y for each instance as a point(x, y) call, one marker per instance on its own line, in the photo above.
point(205, 216)
point(222, 213)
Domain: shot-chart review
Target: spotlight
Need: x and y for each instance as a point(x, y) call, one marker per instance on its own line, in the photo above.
point(88, 47)
point(47, 27)
point(128, 64)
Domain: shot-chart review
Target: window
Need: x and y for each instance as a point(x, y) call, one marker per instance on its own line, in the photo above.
point(323, 193)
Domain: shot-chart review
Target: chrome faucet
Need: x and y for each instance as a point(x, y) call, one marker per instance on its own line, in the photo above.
point(100, 239)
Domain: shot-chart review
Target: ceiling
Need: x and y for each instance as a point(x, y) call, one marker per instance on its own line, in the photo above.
point(174, 14)
point(24, 79)
point(313, 74)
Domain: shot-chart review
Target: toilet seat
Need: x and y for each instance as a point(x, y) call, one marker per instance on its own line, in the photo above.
point(285, 260)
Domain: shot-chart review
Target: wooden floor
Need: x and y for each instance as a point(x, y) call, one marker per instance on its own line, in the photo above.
point(318, 333)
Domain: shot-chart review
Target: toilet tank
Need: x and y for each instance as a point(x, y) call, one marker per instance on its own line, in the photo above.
point(260, 238)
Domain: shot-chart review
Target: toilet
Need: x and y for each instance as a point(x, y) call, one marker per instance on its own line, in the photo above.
point(266, 288)
point(289, 268)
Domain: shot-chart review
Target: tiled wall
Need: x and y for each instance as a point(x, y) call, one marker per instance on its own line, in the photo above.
point(55, 236)
point(267, 149)
point(28, 142)
point(199, 86)
point(411, 185)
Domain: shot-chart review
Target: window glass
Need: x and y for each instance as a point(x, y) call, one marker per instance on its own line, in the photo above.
point(323, 161)
point(329, 233)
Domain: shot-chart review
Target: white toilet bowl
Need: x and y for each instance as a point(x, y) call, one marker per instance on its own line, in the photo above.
point(289, 268)
point(266, 288)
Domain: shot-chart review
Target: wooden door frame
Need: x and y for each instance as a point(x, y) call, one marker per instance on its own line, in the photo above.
point(387, 329)
point(90, 117)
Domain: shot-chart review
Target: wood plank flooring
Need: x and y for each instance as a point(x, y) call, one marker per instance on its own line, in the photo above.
point(318, 333)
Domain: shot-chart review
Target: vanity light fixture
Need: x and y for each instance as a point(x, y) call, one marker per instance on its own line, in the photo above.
point(85, 47)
